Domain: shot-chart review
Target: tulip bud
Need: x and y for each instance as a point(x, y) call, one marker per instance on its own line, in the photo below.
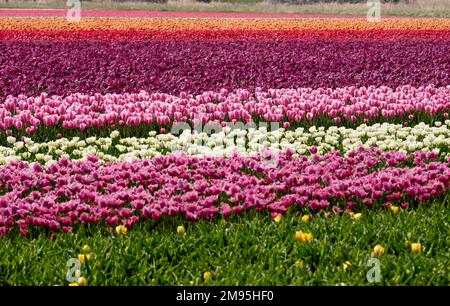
point(378, 250)
point(394, 209)
point(278, 218)
point(303, 237)
point(81, 258)
point(121, 230)
point(181, 230)
point(357, 216)
point(345, 265)
point(416, 248)
point(207, 276)
point(299, 263)
point(82, 281)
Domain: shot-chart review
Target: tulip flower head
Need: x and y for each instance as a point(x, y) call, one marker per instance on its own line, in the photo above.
point(303, 237)
point(357, 216)
point(394, 209)
point(81, 258)
point(278, 218)
point(300, 263)
point(181, 230)
point(416, 247)
point(121, 230)
point(86, 248)
point(84, 257)
point(207, 276)
point(378, 250)
point(346, 265)
point(82, 281)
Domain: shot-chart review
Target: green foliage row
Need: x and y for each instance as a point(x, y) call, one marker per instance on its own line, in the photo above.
point(251, 249)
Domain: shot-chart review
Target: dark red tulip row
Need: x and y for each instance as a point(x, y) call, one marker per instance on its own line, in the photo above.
point(225, 35)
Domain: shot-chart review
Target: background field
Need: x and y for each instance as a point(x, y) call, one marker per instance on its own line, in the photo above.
point(424, 8)
point(252, 248)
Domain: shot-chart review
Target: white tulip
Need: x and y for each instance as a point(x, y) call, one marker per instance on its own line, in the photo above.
point(114, 134)
point(10, 139)
point(91, 140)
point(18, 145)
point(34, 148)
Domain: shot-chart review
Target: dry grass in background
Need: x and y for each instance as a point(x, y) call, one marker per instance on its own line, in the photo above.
point(425, 8)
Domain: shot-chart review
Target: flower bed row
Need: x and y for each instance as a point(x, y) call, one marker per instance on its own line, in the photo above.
point(144, 112)
point(65, 67)
point(170, 24)
point(68, 193)
point(225, 35)
point(250, 142)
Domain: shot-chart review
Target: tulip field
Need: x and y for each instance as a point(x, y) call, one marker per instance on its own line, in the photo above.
point(226, 149)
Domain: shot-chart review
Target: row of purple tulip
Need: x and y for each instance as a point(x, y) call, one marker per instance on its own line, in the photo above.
point(68, 193)
point(65, 67)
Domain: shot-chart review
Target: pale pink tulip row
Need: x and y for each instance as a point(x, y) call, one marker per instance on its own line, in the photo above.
point(332, 106)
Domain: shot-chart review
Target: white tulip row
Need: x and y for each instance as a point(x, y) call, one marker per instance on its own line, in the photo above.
point(245, 142)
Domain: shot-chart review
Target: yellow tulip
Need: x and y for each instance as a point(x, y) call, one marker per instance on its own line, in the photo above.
point(378, 250)
point(394, 209)
point(84, 257)
point(345, 265)
point(121, 230)
point(305, 219)
point(74, 285)
point(303, 237)
point(299, 263)
point(357, 216)
point(416, 247)
point(81, 259)
point(278, 218)
point(181, 230)
point(86, 248)
point(82, 281)
point(207, 276)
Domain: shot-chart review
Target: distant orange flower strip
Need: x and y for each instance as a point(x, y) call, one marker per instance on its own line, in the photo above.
point(174, 24)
